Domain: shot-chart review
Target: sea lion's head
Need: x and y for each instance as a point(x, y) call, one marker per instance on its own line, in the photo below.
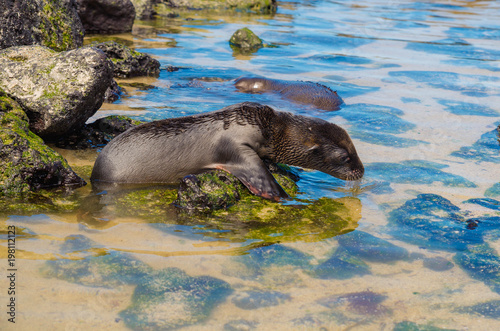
point(252, 84)
point(317, 144)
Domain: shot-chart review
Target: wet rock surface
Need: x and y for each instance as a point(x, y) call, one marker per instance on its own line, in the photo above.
point(245, 41)
point(127, 62)
point(96, 134)
point(58, 91)
point(106, 16)
point(26, 163)
point(54, 24)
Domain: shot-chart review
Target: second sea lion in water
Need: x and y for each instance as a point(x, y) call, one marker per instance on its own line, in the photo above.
point(236, 139)
point(307, 93)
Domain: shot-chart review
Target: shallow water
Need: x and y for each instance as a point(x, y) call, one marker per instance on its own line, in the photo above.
point(421, 86)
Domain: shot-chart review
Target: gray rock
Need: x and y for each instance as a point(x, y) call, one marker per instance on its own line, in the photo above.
point(58, 91)
point(51, 23)
point(26, 163)
point(106, 16)
point(127, 62)
point(144, 9)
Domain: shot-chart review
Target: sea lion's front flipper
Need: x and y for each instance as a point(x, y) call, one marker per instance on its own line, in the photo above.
point(257, 179)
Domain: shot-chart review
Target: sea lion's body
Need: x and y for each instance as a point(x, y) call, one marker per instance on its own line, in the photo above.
point(235, 139)
point(308, 93)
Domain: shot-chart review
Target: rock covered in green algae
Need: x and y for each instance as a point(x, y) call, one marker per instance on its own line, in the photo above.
point(58, 91)
point(96, 134)
point(106, 16)
point(51, 23)
point(245, 41)
point(26, 163)
point(127, 62)
point(371, 248)
point(433, 222)
point(108, 270)
point(493, 191)
point(259, 6)
point(170, 299)
point(208, 191)
point(340, 265)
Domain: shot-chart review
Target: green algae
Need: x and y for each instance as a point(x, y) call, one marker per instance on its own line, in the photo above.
point(26, 159)
point(245, 41)
point(56, 29)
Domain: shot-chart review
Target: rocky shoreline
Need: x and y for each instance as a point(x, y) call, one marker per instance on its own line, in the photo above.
point(52, 84)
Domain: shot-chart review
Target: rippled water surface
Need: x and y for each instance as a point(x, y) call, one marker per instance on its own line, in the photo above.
point(416, 244)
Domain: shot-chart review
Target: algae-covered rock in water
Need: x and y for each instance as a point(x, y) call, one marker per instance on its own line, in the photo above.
point(127, 62)
point(433, 222)
point(371, 248)
point(144, 9)
point(106, 16)
point(26, 163)
point(482, 263)
point(245, 41)
point(208, 191)
point(51, 23)
point(341, 265)
point(109, 270)
point(170, 299)
point(58, 91)
point(258, 6)
point(96, 134)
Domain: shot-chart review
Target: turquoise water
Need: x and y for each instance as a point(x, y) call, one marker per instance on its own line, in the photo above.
point(421, 86)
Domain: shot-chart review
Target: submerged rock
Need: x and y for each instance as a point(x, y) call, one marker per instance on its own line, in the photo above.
point(259, 299)
point(106, 16)
point(481, 262)
point(245, 41)
point(433, 222)
point(489, 309)
point(411, 326)
point(50, 23)
point(170, 299)
point(96, 134)
point(129, 63)
point(341, 265)
point(438, 264)
point(110, 270)
point(362, 303)
point(58, 91)
point(26, 163)
point(371, 248)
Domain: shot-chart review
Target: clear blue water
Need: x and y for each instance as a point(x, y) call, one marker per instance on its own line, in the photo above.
point(421, 86)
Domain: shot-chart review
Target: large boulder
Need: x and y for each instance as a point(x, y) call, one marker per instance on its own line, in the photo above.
point(58, 91)
point(127, 62)
point(52, 23)
point(106, 16)
point(26, 163)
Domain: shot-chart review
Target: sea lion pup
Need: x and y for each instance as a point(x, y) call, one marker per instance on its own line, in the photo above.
point(307, 93)
point(235, 139)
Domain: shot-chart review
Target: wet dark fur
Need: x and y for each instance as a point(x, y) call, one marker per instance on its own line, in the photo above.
point(236, 139)
point(308, 93)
